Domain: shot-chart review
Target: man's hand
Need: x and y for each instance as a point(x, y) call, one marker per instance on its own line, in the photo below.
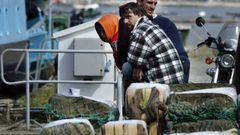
point(137, 74)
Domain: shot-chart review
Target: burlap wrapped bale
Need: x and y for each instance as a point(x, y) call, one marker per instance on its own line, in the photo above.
point(98, 112)
point(147, 102)
point(38, 99)
point(143, 100)
point(233, 131)
point(144, 97)
point(68, 127)
point(201, 125)
point(190, 106)
point(125, 127)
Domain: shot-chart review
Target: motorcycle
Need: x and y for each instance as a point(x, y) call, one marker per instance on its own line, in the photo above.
point(226, 45)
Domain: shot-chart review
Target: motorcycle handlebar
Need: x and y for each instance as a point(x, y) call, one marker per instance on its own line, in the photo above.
point(201, 44)
point(207, 42)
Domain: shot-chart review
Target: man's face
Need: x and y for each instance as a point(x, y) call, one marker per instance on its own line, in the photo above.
point(130, 19)
point(148, 5)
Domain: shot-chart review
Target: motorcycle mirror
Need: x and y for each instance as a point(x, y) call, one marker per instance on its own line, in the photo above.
point(200, 21)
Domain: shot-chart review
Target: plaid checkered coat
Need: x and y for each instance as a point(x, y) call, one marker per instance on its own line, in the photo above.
point(152, 50)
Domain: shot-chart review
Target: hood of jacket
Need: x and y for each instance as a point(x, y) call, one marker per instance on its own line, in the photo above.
point(109, 23)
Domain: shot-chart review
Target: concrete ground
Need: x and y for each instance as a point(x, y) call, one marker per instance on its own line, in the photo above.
point(198, 66)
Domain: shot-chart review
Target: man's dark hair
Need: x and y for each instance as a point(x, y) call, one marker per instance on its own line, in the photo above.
point(131, 7)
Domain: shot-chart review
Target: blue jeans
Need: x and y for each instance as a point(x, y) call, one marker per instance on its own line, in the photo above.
point(127, 69)
point(127, 72)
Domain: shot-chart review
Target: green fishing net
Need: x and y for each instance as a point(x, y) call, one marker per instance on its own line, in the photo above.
point(201, 125)
point(79, 107)
point(193, 107)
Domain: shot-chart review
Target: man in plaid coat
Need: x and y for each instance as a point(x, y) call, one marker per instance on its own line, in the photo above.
point(150, 49)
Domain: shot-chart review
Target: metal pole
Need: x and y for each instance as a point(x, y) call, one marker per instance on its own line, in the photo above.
point(27, 92)
point(50, 23)
point(120, 96)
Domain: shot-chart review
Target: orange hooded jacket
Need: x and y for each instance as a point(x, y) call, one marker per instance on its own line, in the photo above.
point(109, 22)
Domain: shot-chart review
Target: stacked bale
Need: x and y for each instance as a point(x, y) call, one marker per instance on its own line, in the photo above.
point(227, 132)
point(212, 109)
point(196, 86)
point(41, 96)
point(125, 127)
point(68, 127)
point(146, 101)
point(97, 112)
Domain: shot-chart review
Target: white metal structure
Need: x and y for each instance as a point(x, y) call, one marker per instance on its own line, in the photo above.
point(67, 68)
point(84, 36)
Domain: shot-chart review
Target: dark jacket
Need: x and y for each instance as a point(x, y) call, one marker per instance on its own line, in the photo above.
point(123, 42)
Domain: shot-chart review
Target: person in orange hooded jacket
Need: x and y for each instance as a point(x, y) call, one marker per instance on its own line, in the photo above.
point(107, 29)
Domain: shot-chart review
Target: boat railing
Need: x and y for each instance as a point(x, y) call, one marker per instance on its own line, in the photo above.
point(117, 80)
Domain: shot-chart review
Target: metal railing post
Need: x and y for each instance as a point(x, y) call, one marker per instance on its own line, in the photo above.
point(27, 91)
point(120, 95)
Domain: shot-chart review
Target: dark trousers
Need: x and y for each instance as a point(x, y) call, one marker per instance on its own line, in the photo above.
point(186, 68)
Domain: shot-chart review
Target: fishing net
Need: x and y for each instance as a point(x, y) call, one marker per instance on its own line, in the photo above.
point(201, 107)
point(98, 113)
point(193, 107)
point(200, 125)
